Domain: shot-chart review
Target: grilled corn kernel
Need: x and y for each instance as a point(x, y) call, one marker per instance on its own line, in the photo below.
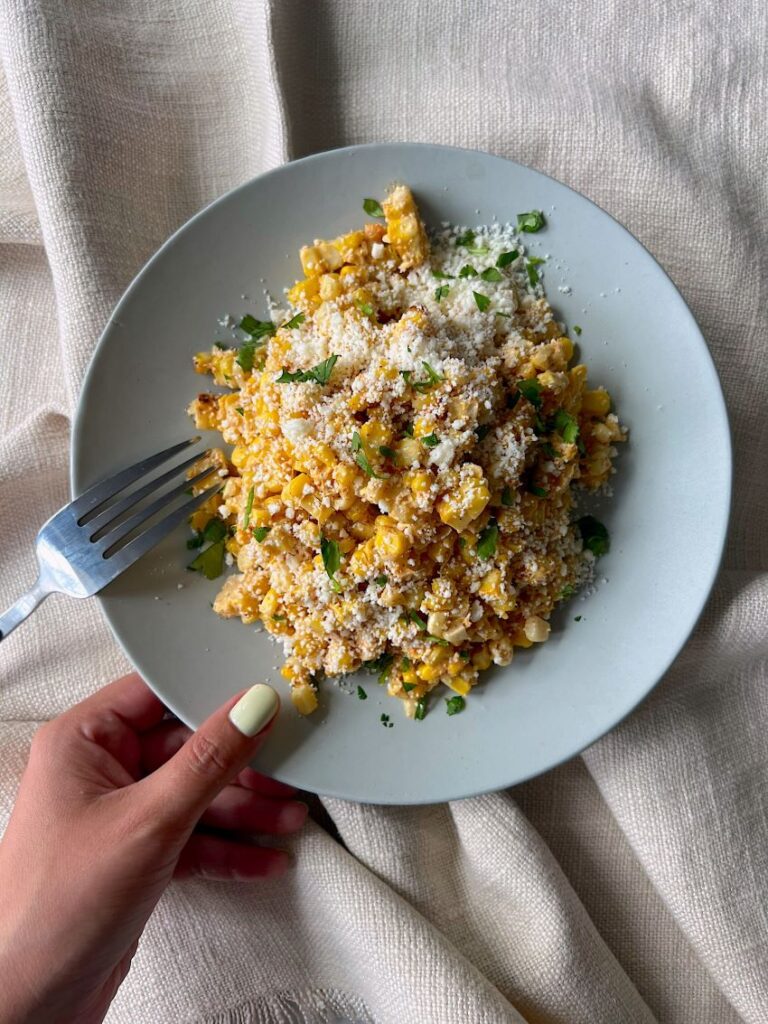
point(390, 542)
point(460, 684)
point(304, 699)
point(597, 402)
point(428, 673)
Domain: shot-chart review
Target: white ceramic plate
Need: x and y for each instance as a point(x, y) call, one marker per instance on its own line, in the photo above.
point(667, 519)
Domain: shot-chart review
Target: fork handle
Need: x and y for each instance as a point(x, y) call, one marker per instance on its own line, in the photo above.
point(22, 608)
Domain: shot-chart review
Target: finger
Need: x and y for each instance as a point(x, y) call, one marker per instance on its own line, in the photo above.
point(249, 779)
point(242, 810)
point(180, 790)
point(158, 745)
point(108, 722)
point(128, 698)
point(211, 857)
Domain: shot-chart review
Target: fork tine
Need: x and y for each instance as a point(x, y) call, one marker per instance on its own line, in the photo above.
point(95, 496)
point(139, 546)
point(111, 512)
point(109, 538)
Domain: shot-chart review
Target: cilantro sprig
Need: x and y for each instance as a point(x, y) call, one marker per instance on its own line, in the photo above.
point(530, 222)
point(373, 207)
point(362, 459)
point(595, 536)
point(320, 374)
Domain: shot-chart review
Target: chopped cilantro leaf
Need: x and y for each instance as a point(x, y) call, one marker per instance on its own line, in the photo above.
point(361, 694)
point(381, 581)
point(437, 640)
point(567, 591)
point(294, 322)
point(409, 686)
point(454, 705)
point(483, 431)
point(430, 441)
point(530, 389)
point(329, 549)
point(507, 498)
point(320, 374)
point(533, 221)
point(594, 535)
point(245, 355)
point(214, 530)
point(492, 274)
point(248, 507)
point(506, 258)
point(533, 274)
point(365, 307)
point(388, 453)
point(576, 329)
point(373, 208)
point(577, 618)
point(195, 542)
point(261, 532)
point(240, 410)
point(566, 426)
point(538, 492)
point(419, 621)
point(221, 344)
point(441, 276)
point(441, 292)
point(481, 301)
point(209, 562)
point(256, 328)
point(362, 459)
point(465, 239)
point(421, 709)
point(408, 429)
point(467, 271)
point(487, 541)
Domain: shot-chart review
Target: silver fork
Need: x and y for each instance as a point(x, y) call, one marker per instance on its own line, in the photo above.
point(82, 548)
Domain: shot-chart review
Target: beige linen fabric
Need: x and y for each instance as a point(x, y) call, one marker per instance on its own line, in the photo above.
point(630, 885)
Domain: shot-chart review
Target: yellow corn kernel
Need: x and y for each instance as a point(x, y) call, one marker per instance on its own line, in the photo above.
point(361, 559)
point(597, 402)
point(419, 482)
point(304, 699)
point(566, 347)
point(304, 293)
point(374, 433)
point(410, 677)
point(519, 639)
point(363, 531)
point(409, 450)
point(311, 260)
point(269, 604)
point(329, 287)
point(293, 492)
point(205, 411)
point(460, 509)
point(346, 545)
point(259, 517)
point(455, 667)
point(428, 673)
point(460, 684)
point(352, 275)
point(351, 246)
point(481, 659)
point(602, 433)
point(390, 542)
point(404, 228)
point(490, 584)
point(436, 655)
point(536, 629)
point(239, 456)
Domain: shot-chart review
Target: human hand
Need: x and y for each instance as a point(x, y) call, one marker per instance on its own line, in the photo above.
point(106, 814)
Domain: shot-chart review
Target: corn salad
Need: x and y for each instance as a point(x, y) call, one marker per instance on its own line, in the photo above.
point(407, 440)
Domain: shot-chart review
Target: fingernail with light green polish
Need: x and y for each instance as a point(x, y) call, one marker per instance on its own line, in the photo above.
point(254, 710)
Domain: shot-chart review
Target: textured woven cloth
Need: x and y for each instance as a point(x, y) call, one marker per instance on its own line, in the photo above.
point(629, 885)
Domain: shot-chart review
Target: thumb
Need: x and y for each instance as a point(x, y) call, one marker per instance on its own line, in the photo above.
point(212, 756)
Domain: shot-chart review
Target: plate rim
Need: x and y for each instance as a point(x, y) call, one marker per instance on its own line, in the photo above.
point(724, 429)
